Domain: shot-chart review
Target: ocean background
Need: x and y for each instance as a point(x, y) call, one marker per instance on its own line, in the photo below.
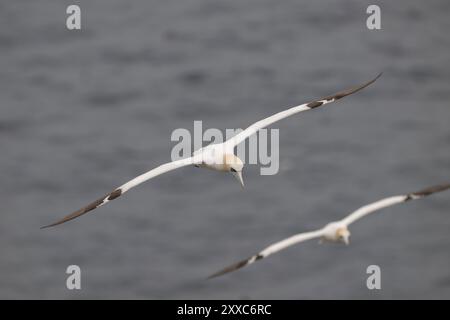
point(82, 112)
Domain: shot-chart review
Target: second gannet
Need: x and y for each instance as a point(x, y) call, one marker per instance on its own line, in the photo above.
point(336, 231)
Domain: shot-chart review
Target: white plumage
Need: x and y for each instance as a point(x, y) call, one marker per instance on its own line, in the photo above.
point(219, 157)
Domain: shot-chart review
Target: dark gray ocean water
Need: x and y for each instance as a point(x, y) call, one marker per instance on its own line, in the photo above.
point(81, 112)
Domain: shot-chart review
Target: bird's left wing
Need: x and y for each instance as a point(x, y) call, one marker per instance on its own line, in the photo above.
point(127, 186)
point(234, 141)
point(386, 202)
point(270, 250)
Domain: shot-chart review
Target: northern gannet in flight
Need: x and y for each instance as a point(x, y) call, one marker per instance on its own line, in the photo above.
point(336, 231)
point(219, 157)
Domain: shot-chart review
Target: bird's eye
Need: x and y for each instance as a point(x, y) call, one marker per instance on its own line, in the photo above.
point(233, 170)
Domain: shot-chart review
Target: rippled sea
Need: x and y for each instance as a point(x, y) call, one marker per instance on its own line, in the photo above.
point(81, 112)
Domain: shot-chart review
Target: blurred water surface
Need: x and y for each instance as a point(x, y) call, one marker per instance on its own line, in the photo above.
point(83, 112)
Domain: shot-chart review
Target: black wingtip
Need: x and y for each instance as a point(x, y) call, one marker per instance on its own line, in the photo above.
point(375, 79)
point(65, 219)
point(53, 224)
point(50, 225)
point(110, 196)
point(430, 190)
point(344, 93)
point(368, 83)
point(237, 266)
point(356, 89)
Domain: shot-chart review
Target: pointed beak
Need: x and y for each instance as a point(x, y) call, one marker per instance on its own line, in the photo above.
point(346, 241)
point(238, 176)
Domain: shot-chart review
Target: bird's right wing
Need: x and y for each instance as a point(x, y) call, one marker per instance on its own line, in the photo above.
point(270, 250)
point(386, 202)
point(127, 186)
point(234, 141)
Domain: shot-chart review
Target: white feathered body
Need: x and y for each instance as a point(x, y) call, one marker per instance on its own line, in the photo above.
point(217, 157)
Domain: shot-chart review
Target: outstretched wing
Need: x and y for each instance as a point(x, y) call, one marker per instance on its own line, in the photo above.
point(319, 233)
point(234, 141)
point(386, 202)
point(270, 250)
point(125, 187)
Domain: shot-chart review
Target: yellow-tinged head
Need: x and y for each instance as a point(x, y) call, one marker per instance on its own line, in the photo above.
point(343, 235)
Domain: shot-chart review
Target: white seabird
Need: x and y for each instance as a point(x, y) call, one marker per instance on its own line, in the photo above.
point(336, 231)
point(219, 157)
